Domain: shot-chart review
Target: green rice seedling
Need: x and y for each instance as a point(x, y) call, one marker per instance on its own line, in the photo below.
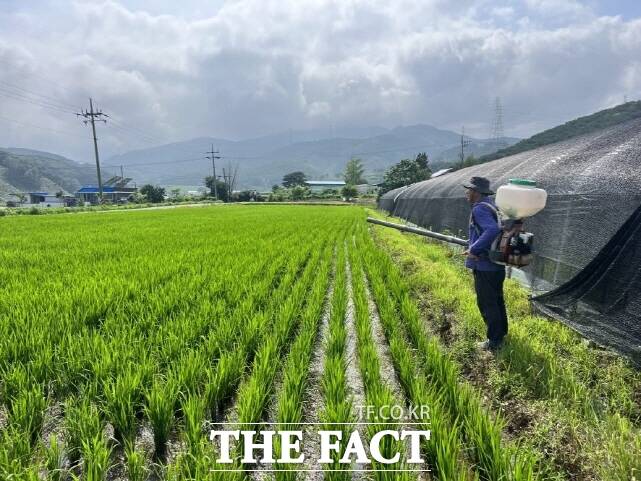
point(193, 408)
point(82, 422)
point(15, 379)
point(95, 458)
point(122, 398)
point(135, 461)
point(54, 454)
point(222, 380)
point(253, 396)
point(160, 400)
point(26, 412)
point(15, 452)
point(189, 372)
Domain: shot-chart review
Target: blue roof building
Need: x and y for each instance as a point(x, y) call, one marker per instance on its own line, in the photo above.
point(110, 193)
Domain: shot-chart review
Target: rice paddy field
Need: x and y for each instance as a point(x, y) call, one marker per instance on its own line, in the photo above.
point(125, 335)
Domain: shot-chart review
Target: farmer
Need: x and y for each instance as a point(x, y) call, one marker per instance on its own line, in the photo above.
point(488, 276)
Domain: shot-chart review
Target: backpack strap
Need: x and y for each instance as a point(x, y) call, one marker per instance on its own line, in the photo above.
point(493, 209)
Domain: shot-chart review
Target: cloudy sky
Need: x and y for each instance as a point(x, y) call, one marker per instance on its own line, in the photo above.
point(244, 68)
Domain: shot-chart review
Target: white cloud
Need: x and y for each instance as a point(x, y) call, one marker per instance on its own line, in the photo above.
point(256, 66)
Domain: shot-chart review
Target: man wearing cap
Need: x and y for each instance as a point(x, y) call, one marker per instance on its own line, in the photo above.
point(488, 276)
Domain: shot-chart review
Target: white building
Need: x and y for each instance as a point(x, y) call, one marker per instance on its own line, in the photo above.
point(321, 185)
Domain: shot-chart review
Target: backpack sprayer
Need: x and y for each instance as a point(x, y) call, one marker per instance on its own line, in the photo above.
point(513, 246)
point(517, 200)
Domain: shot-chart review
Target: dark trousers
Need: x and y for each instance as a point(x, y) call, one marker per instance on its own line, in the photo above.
point(489, 299)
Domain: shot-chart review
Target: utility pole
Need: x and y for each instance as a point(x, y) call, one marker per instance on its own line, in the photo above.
point(122, 175)
point(93, 117)
point(212, 155)
point(464, 143)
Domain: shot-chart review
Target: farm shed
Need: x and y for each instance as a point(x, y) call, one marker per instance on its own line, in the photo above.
point(320, 185)
point(45, 199)
point(90, 194)
point(594, 193)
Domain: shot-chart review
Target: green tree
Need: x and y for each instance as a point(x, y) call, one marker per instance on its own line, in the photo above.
point(349, 192)
point(354, 171)
point(406, 172)
point(153, 193)
point(299, 192)
point(221, 188)
point(293, 179)
point(469, 161)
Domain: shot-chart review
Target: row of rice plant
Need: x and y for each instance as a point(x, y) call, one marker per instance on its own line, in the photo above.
point(493, 458)
point(378, 394)
point(291, 402)
point(337, 402)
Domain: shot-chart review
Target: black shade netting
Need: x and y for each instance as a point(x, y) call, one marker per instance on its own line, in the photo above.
point(603, 301)
point(593, 184)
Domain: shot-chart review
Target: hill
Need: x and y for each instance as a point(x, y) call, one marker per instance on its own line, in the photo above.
point(25, 170)
point(582, 125)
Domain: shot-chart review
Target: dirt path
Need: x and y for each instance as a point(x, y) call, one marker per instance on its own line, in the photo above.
point(388, 373)
point(313, 404)
point(354, 379)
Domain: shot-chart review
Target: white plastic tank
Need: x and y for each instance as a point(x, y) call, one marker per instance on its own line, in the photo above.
point(520, 198)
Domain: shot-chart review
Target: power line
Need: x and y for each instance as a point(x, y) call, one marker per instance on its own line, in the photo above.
point(24, 98)
point(39, 127)
point(146, 136)
point(142, 164)
point(46, 98)
point(130, 134)
point(21, 94)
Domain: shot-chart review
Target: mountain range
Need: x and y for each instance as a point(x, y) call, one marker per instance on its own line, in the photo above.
point(261, 161)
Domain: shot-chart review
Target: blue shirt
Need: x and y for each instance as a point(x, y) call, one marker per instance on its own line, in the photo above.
point(481, 241)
